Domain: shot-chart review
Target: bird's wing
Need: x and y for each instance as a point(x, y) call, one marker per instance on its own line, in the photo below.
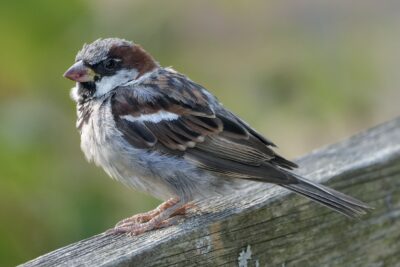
point(170, 113)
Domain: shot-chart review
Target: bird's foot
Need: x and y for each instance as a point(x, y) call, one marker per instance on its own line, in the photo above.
point(133, 228)
point(167, 214)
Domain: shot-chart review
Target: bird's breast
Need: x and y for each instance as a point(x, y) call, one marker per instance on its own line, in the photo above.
point(103, 144)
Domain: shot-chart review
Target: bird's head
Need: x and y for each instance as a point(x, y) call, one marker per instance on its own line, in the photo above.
point(106, 64)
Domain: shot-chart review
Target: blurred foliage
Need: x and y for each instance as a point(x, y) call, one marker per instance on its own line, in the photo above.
point(305, 73)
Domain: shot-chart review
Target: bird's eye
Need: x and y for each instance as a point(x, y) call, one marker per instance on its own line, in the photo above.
point(110, 64)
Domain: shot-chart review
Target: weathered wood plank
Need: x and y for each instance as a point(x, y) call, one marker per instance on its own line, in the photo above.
point(276, 227)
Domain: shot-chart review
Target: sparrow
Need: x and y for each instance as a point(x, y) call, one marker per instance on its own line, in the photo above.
point(156, 130)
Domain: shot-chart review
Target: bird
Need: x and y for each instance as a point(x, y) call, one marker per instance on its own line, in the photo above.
point(153, 129)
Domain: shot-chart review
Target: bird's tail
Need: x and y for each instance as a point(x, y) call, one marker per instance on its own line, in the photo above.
point(333, 199)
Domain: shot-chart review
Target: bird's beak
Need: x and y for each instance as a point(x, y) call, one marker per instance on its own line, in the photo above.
point(80, 73)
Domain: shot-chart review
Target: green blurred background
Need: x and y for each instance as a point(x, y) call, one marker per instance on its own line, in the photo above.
point(304, 73)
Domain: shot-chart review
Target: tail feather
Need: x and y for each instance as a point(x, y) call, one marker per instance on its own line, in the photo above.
point(333, 199)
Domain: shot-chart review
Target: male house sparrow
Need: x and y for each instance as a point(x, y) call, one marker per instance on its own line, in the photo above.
point(154, 129)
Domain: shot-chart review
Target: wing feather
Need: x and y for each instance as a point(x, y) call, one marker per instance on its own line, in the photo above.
point(206, 134)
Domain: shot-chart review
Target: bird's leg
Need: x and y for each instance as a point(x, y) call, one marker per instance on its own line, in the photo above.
point(183, 210)
point(147, 216)
point(177, 215)
point(170, 221)
point(164, 215)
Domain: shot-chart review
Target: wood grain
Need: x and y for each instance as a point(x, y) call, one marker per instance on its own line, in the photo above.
point(267, 226)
